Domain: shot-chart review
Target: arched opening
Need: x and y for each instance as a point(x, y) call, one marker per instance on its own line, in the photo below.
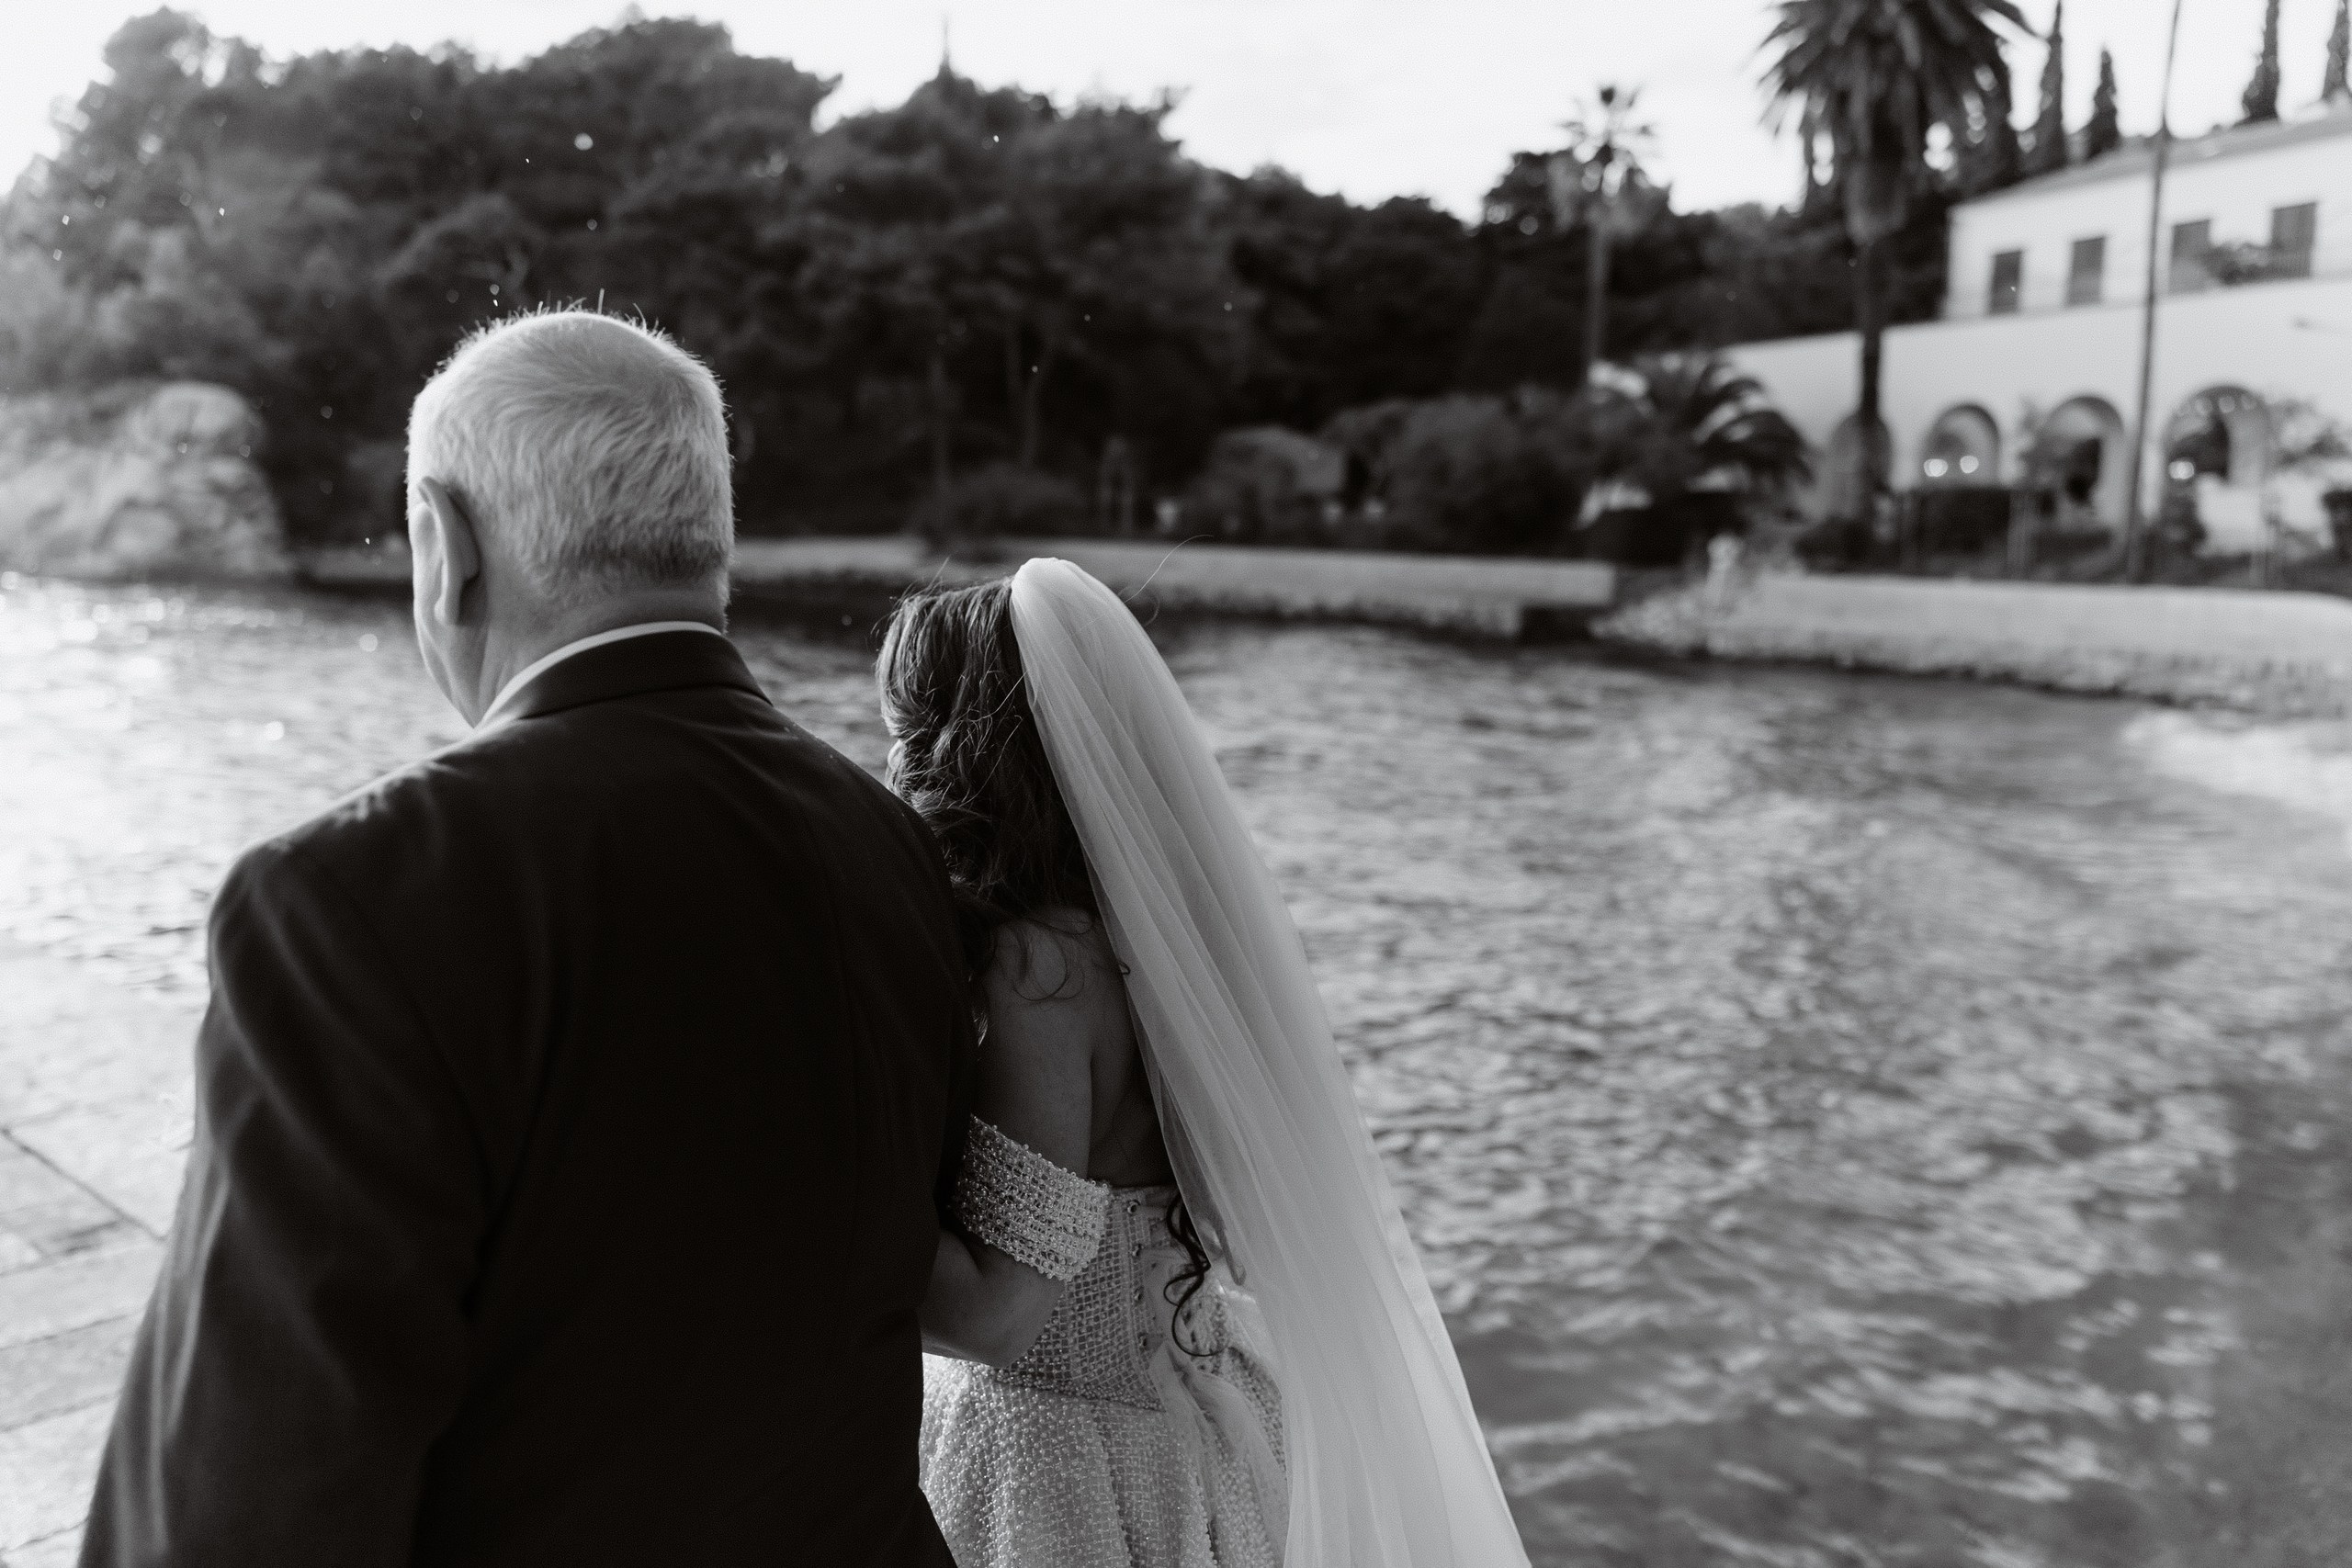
point(2079, 456)
point(2217, 455)
point(1963, 448)
point(2223, 432)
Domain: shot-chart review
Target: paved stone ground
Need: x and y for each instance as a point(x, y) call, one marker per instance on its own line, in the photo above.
point(93, 1128)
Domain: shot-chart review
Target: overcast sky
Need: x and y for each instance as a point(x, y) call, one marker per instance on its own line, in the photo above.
point(1370, 97)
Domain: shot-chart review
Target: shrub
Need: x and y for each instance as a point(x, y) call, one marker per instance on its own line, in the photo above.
point(1961, 519)
point(1266, 483)
point(1366, 436)
point(1001, 501)
point(1500, 476)
point(1663, 534)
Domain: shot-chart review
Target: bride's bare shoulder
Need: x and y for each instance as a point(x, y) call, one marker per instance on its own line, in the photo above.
point(1056, 957)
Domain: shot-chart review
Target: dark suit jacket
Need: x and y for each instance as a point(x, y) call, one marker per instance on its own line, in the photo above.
point(573, 1108)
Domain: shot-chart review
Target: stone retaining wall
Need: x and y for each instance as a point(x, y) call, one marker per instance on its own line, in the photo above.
point(1484, 594)
point(2275, 652)
point(1475, 594)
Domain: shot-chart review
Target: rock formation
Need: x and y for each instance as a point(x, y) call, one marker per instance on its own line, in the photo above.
point(136, 481)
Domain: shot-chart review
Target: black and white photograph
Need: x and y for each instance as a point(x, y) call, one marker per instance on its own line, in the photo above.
point(1176, 784)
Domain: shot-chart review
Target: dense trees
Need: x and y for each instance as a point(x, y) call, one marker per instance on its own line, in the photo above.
point(975, 282)
point(316, 233)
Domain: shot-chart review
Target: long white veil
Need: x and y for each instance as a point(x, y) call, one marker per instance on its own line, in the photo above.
point(1387, 1466)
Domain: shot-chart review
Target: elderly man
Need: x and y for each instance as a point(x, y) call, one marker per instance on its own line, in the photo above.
point(571, 1102)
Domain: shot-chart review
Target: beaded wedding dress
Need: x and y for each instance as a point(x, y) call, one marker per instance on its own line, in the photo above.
point(1327, 1426)
point(1110, 1443)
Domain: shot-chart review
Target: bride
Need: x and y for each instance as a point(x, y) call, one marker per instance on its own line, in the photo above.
point(1178, 1321)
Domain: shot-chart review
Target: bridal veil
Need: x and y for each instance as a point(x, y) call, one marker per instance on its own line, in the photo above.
point(1387, 1466)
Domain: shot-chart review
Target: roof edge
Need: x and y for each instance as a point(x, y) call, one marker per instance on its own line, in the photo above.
point(2138, 155)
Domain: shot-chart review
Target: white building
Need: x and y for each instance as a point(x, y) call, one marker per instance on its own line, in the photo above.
point(2039, 338)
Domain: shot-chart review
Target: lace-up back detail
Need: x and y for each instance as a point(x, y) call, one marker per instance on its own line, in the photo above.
point(1093, 1347)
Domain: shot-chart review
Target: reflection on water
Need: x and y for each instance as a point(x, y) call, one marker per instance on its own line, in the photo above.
point(1850, 1119)
point(2307, 766)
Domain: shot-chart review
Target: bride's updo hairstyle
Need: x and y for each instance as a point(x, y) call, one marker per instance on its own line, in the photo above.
point(968, 757)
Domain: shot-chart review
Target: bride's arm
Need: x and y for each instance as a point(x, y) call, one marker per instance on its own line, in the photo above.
point(1049, 995)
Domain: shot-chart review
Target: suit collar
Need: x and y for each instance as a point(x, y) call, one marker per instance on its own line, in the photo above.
point(658, 661)
point(581, 644)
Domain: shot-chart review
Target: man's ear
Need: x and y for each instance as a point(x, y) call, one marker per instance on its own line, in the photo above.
point(460, 551)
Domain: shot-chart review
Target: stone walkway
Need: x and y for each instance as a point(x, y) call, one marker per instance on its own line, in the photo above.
point(93, 1128)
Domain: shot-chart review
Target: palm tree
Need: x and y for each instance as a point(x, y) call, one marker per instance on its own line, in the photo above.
point(1675, 424)
point(1605, 151)
point(1874, 76)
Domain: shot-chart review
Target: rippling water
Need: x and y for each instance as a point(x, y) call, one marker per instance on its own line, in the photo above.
point(1848, 1119)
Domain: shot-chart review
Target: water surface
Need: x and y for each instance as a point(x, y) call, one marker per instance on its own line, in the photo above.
point(1848, 1119)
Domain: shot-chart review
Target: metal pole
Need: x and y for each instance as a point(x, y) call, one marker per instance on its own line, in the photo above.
point(2134, 521)
point(1596, 288)
point(1596, 268)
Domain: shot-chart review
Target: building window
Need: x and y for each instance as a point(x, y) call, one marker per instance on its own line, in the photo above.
point(2009, 273)
point(2085, 272)
point(2293, 231)
point(2192, 246)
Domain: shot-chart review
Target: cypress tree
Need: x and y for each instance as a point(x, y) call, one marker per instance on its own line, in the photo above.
point(2050, 120)
point(2105, 133)
point(2261, 100)
point(1990, 159)
point(2340, 55)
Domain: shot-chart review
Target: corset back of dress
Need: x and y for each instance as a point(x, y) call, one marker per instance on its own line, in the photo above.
point(1112, 1389)
point(1100, 1333)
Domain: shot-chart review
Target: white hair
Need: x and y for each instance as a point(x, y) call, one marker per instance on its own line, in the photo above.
point(595, 447)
